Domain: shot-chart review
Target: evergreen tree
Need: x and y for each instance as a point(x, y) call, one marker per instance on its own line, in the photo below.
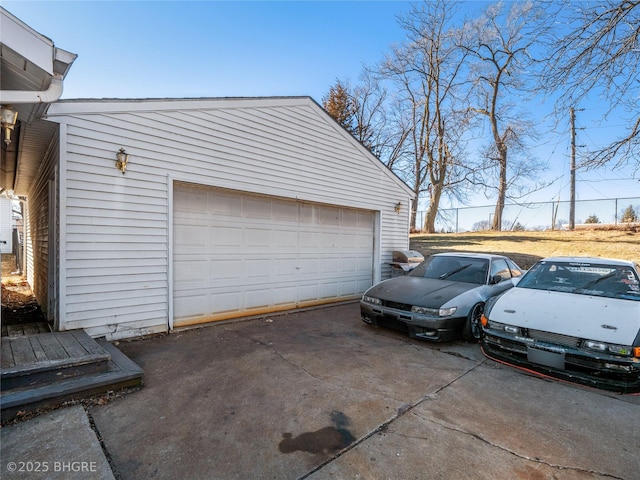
point(629, 215)
point(339, 104)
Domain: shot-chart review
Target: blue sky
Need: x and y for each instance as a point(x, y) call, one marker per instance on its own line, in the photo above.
point(152, 49)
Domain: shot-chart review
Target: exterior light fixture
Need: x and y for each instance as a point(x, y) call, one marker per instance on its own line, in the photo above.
point(398, 207)
point(9, 119)
point(122, 160)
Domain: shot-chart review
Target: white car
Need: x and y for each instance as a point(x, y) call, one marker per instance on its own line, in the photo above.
point(573, 318)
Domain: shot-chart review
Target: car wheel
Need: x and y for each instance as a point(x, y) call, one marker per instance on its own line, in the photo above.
point(472, 329)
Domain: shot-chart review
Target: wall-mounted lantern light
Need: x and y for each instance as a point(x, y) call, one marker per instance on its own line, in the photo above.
point(122, 160)
point(9, 119)
point(398, 207)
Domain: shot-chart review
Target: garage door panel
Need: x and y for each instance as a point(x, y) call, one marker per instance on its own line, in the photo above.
point(259, 269)
point(285, 267)
point(329, 290)
point(258, 238)
point(362, 285)
point(365, 220)
point(349, 242)
point(285, 295)
point(190, 271)
point(191, 305)
point(191, 236)
point(307, 293)
point(349, 287)
point(257, 207)
point(224, 204)
point(238, 253)
point(330, 266)
point(258, 298)
point(192, 200)
point(328, 215)
point(348, 265)
point(349, 217)
point(224, 302)
point(222, 270)
point(363, 243)
point(224, 236)
point(285, 211)
point(308, 239)
point(285, 239)
point(364, 265)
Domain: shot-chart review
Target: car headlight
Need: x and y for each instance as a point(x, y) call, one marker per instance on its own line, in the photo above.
point(373, 300)
point(434, 312)
point(611, 348)
point(511, 329)
point(503, 327)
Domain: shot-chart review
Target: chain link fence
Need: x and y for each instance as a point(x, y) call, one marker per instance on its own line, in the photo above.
point(534, 215)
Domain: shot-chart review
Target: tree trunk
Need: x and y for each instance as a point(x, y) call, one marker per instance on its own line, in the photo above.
point(502, 190)
point(432, 211)
point(414, 212)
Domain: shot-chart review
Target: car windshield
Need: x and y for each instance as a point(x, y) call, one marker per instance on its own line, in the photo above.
point(457, 269)
point(613, 281)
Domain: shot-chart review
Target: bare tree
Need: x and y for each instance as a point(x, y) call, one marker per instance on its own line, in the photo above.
point(500, 44)
point(361, 111)
point(426, 71)
point(600, 56)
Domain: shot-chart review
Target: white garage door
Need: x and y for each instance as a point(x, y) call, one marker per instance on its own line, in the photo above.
point(240, 254)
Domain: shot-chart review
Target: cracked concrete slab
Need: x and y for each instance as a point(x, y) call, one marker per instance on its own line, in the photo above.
point(319, 394)
point(562, 425)
point(413, 447)
point(59, 445)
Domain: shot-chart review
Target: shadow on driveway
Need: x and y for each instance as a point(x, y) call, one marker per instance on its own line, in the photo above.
point(319, 394)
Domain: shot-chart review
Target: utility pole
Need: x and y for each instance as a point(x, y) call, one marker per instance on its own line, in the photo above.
point(572, 204)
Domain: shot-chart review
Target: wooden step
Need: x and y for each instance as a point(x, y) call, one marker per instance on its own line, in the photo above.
point(121, 373)
point(34, 360)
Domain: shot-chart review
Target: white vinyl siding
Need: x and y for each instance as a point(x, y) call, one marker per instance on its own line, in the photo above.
point(239, 254)
point(37, 230)
point(117, 226)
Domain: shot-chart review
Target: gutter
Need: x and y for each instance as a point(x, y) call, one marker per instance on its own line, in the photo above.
point(17, 97)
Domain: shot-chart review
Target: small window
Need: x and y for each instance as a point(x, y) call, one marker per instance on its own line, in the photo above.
point(516, 271)
point(499, 267)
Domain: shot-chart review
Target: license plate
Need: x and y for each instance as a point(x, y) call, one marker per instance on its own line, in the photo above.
point(546, 358)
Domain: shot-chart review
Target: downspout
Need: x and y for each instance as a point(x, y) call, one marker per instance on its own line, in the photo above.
point(50, 95)
point(23, 267)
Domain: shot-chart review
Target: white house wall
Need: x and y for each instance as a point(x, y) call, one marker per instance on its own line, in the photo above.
point(37, 225)
point(6, 225)
point(117, 239)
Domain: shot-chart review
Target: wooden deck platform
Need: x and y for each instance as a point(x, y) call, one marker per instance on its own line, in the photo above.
point(46, 369)
point(25, 329)
point(42, 357)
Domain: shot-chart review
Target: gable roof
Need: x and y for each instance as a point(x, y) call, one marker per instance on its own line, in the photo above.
point(70, 107)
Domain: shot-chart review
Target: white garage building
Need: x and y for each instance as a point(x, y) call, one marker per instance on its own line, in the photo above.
point(228, 207)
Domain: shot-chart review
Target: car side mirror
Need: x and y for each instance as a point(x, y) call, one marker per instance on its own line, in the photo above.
point(495, 279)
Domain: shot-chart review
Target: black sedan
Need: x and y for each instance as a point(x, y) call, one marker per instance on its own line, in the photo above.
point(442, 298)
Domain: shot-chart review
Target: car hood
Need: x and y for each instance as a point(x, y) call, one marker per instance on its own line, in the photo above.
point(594, 318)
point(425, 292)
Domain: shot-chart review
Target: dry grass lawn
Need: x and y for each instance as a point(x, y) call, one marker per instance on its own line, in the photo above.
point(526, 248)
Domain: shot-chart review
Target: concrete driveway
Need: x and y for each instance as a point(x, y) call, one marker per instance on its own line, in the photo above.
point(318, 394)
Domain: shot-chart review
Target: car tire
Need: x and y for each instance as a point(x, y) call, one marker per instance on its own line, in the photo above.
point(472, 329)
